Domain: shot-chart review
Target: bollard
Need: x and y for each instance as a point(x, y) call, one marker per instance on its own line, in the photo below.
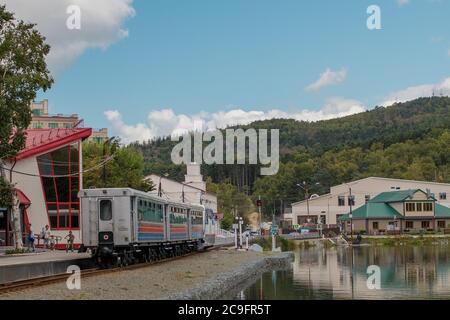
point(246, 241)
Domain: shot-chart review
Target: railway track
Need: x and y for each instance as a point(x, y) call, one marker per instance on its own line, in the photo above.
point(57, 278)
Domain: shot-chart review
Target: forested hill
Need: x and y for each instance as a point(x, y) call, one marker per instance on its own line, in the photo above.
point(406, 140)
point(387, 125)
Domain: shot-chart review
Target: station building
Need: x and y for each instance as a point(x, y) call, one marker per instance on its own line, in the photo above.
point(47, 175)
point(403, 211)
point(328, 208)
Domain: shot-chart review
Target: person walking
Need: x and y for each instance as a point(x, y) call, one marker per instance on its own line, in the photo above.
point(31, 239)
point(70, 239)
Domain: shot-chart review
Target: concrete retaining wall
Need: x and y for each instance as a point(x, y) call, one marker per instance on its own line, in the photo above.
point(216, 288)
point(27, 271)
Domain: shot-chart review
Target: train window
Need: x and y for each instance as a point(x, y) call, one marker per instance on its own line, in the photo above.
point(105, 210)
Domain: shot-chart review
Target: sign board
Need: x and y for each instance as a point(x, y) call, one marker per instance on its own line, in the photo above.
point(274, 229)
point(235, 226)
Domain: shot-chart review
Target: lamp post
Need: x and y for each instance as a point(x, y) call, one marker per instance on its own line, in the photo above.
point(182, 188)
point(159, 185)
point(305, 188)
point(235, 227)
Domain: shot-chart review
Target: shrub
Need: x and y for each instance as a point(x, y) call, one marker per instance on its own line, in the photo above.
point(17, 251)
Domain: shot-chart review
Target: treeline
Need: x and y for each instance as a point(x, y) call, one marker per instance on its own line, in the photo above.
point(426, 158)
point(406, 140)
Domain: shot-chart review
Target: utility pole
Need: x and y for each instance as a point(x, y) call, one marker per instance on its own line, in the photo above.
point(260, 217)
point(273, 233)
point(350, 200)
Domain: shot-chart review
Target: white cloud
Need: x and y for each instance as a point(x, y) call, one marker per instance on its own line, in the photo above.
point(165, 122)
point(101, 25)
point(424, 90)
point(128, 133)
point(402, 2)
point(328, 78)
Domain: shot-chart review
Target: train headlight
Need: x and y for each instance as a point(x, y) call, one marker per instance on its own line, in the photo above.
point(105, 237)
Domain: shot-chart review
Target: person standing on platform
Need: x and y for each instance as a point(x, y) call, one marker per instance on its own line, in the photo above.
point(70, 239)
point(46, 235)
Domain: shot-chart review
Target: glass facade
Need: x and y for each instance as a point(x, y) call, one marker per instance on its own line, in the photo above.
point(60, 182)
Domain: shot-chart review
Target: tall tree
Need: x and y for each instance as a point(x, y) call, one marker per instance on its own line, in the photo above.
point(23, 72)
point(125, 169)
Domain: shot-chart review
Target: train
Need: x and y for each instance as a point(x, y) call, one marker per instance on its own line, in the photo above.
point(122, 226)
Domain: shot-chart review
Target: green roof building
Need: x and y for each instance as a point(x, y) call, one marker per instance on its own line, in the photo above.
point(396, 212)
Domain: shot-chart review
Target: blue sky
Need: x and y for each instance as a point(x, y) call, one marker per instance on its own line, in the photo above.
point(254, 55)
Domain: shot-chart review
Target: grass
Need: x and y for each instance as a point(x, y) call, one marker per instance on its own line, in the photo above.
point(17, 251)
point(406, 240)
point(266, 243)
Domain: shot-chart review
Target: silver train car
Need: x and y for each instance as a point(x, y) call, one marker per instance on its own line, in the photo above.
point(122, 226)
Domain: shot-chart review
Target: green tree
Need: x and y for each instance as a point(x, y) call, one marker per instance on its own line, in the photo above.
point(124, 170)
point(230, 202)
point(23, 72)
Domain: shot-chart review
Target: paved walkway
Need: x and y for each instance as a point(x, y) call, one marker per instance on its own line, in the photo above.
point(43, 256)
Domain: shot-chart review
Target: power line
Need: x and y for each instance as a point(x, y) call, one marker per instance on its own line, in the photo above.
point(61, 176)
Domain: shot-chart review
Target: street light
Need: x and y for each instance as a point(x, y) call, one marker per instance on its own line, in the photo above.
point(182, 188)
point(305, 188)
point(159, 185)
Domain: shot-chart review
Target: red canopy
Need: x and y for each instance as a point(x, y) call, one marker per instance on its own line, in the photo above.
point(23, 198)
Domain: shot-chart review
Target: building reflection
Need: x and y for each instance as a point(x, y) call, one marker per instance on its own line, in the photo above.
point(341, 273)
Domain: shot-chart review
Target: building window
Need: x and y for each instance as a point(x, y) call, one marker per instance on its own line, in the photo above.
point(37, 125)
point(367, 198)
point(409, 225)
point(36, 112)
point(427, 206)
point(410, 206)
point(67, 125)
point(425, 224)
point(419, 206)
point(52, 125)
point(375, 225)
point(60, 182)
point(341, 201)
point(443, 196)
point(441, 224)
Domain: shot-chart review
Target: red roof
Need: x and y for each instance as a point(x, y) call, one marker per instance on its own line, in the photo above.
point(42, 140)
point(22, 198)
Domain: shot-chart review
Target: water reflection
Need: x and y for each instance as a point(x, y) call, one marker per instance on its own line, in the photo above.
point(407, 272)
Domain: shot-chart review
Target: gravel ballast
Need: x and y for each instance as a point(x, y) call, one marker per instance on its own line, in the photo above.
point(202, 276)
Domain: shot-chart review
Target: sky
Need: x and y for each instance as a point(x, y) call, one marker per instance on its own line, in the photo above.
point(147, 68)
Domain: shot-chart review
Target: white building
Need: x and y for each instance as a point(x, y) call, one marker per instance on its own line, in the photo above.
point(47, 175)
point(192, 190)
point(332, 205)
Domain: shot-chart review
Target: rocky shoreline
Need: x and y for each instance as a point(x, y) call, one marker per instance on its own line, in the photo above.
point(223, 284)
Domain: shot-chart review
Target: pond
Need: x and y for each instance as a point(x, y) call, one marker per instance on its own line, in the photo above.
point(405, 272)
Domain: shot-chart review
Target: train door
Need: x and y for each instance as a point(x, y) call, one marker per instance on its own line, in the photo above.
point(105, 221)
point(167, 221)
point(189, 223)
point(133, 218)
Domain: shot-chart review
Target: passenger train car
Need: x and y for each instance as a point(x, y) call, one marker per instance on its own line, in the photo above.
point(122, 226)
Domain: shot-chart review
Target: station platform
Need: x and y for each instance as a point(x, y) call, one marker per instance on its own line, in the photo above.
point(40, 264)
